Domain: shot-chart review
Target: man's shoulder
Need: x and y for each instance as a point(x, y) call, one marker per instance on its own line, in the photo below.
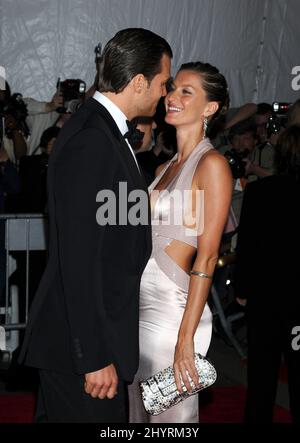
point(267, 188)
point(262, 183)
point(85, 113)
point(91, 116)
point(88, 121)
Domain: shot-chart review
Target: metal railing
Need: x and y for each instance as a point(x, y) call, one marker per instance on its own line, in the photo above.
point(23, 232)
point(226, 321)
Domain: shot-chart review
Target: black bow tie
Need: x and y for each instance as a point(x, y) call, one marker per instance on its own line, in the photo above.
point(133, 135)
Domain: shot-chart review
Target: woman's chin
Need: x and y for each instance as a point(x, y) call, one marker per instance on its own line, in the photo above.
point(171, 119)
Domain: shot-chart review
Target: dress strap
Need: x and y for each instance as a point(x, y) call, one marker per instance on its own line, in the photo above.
point(185, 179)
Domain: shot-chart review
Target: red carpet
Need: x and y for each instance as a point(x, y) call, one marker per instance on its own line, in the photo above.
point(283, 374)
point(17, 408)
point(226, 405)
point(217, 405)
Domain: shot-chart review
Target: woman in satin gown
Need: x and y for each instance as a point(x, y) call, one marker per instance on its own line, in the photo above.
point(190, 201)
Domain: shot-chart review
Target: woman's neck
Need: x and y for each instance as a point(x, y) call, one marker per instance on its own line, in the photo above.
point(187, 140)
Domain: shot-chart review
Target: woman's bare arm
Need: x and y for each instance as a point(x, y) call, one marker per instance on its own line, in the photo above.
point(214, 177)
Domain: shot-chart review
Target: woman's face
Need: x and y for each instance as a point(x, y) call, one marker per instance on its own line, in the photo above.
point(186, 103)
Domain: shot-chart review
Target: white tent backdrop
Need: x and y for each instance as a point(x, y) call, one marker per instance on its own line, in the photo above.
point(254, 43)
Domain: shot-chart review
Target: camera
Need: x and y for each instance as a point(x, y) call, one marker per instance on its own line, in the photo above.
point(281, 107)
point(278, 119)
point(275, 123)
point(72, 91)
point(97, 51)
point(236, 162)
point(17, 109)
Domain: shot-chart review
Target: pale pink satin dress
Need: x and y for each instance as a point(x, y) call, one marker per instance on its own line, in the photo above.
point(163, 295)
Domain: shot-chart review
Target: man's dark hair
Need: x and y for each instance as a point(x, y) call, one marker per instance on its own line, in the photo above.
point(130, 52)
point(242, 127)
point(264, 108)
point(293, 115)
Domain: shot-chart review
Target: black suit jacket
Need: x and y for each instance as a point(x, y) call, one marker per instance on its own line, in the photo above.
point(267, 266)
point(85, 313)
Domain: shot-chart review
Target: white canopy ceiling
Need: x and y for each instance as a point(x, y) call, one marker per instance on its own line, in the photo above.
point(254, 43)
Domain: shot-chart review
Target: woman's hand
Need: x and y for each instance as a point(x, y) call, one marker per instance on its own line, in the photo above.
point(184, 363)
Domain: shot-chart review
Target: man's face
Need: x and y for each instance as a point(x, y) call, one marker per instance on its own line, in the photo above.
point(244, 141)
point(156, 89)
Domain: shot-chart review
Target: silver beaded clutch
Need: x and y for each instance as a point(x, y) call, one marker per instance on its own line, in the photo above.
point(159, 392)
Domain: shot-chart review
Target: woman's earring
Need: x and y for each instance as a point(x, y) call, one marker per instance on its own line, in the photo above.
point(205, 124)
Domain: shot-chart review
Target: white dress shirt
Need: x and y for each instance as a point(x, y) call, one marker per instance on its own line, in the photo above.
point(118, 116)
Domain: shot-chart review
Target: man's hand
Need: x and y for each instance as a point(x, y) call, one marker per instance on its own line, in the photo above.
point(56, 102)
point(102, 383)
point(249, 166)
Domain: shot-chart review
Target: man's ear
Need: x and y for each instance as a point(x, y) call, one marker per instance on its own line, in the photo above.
point(139, 83)
point(211, 108)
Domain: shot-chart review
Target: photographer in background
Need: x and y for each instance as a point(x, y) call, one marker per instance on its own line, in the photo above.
point(262, 160)
point(9, 185)
point(33, 174)
point(14, 131)
point(267, 276)
point(159, 143)
point(41, 115)
point(263, 112)
point(33, 199)
point(242, 137)
point(72, 92)
point(149, 153)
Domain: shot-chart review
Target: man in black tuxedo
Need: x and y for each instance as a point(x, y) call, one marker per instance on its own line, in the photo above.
point(267, 276)
point(82, 331)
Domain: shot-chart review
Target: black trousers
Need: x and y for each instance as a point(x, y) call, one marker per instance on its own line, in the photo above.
point(270, 339)
point(62, 399)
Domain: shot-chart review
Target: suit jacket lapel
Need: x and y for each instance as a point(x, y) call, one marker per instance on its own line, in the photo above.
point(137, 177)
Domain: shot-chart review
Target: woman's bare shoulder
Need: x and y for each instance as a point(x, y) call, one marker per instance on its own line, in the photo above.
point(213, 163)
